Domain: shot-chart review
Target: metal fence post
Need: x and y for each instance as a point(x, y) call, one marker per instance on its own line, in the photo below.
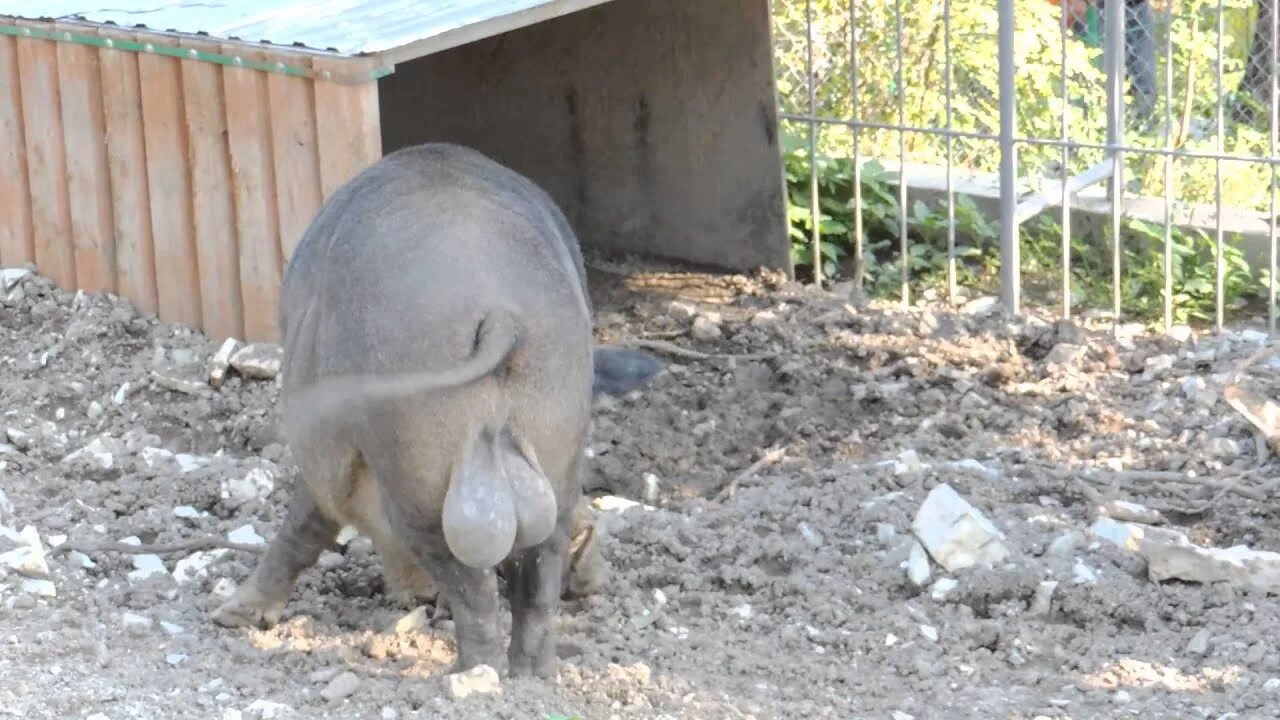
point(1010, 258)
point(1113, 43)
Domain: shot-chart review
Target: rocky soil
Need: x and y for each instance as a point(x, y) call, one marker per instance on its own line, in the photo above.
point(773, 568)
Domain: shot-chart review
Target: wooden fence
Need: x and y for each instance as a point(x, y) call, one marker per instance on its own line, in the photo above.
point(178, 183)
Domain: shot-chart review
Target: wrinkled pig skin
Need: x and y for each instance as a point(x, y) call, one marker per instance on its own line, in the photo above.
point(437, 379)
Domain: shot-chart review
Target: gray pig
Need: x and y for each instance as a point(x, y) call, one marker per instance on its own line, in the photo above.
point(437, 381)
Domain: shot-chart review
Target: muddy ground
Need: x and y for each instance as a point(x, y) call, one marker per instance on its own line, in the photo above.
point(786, 598)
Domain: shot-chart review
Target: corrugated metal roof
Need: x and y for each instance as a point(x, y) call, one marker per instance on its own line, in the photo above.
point(400, 29)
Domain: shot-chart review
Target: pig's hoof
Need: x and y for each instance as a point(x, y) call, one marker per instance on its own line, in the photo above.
point(247, 609)
point(524, 665)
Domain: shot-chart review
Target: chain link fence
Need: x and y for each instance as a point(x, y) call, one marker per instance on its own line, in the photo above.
point(1114, 157)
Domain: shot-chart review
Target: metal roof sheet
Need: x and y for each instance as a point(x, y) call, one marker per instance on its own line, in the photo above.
point(400, 29)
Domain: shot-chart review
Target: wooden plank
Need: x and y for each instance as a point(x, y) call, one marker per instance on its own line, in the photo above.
point(127, 166)
point(213, 204)
point(17, 244)
point(46, 161)
point(169, 183)
point(296, 156)
point(347, 124)
point(88, 180)
point(249, 134)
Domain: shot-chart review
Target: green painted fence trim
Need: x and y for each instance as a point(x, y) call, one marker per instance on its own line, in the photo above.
point(280, 67)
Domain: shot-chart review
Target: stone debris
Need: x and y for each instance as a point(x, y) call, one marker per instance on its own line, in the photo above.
point(917, 563)
point(135, 623)
point(929, 632)
point(267, 710)
point(956, 535)
point(195, 566)
point(1180, 559)
point(29, 558)
point(256, 485)
point(147, 565)
point(942, 588)
point(175, 659)
point(1042, 600)
point(43, 588)
point(411, 622)
point(97, 455)
point(171, 628)
point(652, 489)
point(1126, 511)
point(224, 588)
point(1083, 573)
point(811, 537)
point(342, 686)
point(389, 713)
point(615, 504)
point(260, 361)
point(346, 535)
point(186, 512)
point(181, 380)
point(330, 560)
point(120, 394)
point(1199, 645)
point(246, 535)
point(480, 680)
point(220, 363)
point(706, 328)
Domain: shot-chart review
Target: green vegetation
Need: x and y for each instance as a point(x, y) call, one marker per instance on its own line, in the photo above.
point(920, 97)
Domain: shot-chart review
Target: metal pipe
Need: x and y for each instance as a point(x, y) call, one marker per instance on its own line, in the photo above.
point(1114, 55)
point(814, 213)
point(904, 245)
point(1010, 262)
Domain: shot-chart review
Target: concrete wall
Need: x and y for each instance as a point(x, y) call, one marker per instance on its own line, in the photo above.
point(651, 122)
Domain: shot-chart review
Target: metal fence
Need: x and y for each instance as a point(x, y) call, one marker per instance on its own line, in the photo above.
point(1137, 137)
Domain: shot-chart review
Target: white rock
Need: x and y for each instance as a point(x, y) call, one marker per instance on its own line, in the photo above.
point(257, 484)
point(171, 628)
point(97, 716)
point(1224, 448)
point(1042, 601)
point(96, 454)
point(1066, 544)
point(94, 410)
point(652, 489)
point(341, 687)
point(11, 277)
point(412, 622)
point(1171, 556)
point(930, 632)
point(258, 360)
point(175, 659)
point(908, 462)
point(890, 640)
point(195, 566)
point(221, 361)
point(1271, 685)
point(1253, 337)
point(57, 540)
point(1126, 511)
point(743, 611)
point(705, 328)
point(330, 560)
point(956, 535)
point(120, 394)
point(811, 537)
point(681, 310)
point(982, 306)
point(942, 588)
point(615, 504)
point(147, 565)
point(82, 560)
point(186, 512)
point(245, 535)
point(346, 535)
point(133, 621)
point(1199, 644)
point(389, 713)
point(28, 559)
point(480, 680)
point(1083, 573)
point(267, 710)
point(885, 532)
point(224, 588)
point(44, 588)
point(918, 565)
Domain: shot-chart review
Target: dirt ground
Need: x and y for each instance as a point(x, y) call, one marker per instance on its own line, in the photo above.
point(787, 598)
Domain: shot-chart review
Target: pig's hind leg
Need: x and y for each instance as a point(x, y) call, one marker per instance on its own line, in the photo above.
point(471, 594)
point(305, 533)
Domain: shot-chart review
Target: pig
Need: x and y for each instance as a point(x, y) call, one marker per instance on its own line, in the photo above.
point(437, 379)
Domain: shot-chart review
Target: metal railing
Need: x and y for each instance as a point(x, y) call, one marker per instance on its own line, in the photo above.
point(1184, 87)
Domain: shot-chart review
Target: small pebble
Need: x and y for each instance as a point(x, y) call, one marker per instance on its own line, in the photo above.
point(340, 687)
point(480, 680)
